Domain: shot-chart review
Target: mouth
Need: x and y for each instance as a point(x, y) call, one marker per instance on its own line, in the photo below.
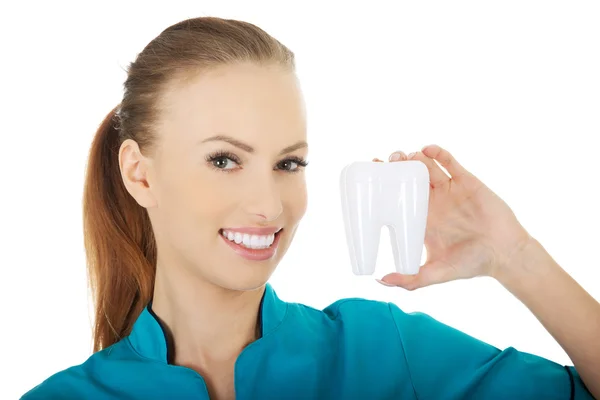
point(252, 247)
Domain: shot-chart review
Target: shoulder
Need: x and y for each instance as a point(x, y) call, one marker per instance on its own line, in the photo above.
point(79, 381)
point(364, 312)
point(353, 318)
point(359, 323)
point(343, 309)
point(61, 385)
point(355, 340)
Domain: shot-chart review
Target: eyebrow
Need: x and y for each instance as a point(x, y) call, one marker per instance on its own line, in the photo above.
point(250, 149)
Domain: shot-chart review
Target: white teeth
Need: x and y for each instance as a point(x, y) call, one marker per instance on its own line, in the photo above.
point(250, 241)
point(246, 239)
point(238, 238)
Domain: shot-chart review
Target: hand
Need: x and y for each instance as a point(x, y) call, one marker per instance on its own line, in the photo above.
point(470, 231)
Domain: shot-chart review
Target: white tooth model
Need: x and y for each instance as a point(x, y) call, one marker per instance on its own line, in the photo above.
point(392, 194)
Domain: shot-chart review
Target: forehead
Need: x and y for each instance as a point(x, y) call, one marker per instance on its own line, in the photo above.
point(242, 99)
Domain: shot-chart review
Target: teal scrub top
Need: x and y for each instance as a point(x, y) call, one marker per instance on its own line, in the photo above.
point(353, 349)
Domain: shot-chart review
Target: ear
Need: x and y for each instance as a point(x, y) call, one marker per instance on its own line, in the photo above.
point(134, 172)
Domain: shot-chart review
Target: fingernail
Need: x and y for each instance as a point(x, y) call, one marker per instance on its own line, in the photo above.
point(411, 155)
point(384, 283)
point(395, 157)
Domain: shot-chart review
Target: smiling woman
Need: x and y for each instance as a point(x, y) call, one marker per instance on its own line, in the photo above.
point(194, 191)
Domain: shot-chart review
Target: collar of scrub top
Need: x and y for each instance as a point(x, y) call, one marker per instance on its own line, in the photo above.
point(149, 338)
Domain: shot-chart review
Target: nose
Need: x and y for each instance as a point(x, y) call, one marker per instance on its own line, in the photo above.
point(264, 200)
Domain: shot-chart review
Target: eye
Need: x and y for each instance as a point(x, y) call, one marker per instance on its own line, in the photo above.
point(293, 164)
point(222, 161)
point(287, 165)
point(226, 162)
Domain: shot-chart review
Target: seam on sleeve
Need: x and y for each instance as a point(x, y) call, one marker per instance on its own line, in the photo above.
point(572, 382)
point(403, 350)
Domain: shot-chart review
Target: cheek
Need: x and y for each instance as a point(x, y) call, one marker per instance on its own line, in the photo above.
point(203, 207)
point(296, 201)
point(192, 205)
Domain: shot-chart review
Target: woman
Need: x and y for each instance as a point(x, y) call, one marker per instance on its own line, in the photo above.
point(194, 191)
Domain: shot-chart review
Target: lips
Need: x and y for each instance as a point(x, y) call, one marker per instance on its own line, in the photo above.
point(262, 231)
point(254, 254)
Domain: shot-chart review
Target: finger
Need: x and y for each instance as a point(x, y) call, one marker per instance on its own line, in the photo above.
point(437, 177)
point(429, 274)
point(397, 156)
point(377, 160)
point(446, 160)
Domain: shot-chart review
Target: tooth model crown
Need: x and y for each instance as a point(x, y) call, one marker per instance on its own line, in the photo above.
point(376, 194)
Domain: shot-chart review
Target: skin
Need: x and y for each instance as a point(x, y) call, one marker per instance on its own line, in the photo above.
point(205, 293)
point(209, 297)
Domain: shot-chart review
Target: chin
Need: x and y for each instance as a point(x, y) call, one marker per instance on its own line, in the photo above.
point(242, 283)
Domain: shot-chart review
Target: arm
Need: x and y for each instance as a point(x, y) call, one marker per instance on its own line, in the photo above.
point(563, 307)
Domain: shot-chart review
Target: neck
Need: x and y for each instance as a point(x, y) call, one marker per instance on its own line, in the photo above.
point(207, 323)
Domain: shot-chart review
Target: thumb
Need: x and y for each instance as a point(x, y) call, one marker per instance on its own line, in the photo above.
point(431, 273)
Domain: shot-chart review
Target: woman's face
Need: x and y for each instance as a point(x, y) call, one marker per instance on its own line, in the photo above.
point(229, 152)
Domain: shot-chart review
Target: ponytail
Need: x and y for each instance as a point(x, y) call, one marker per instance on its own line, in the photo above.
point(119, 241)
point(118, 238)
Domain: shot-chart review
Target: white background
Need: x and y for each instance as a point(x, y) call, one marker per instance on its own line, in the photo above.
point(511, 88)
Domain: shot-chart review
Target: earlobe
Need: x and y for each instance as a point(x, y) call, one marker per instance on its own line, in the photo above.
point(134, 172)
